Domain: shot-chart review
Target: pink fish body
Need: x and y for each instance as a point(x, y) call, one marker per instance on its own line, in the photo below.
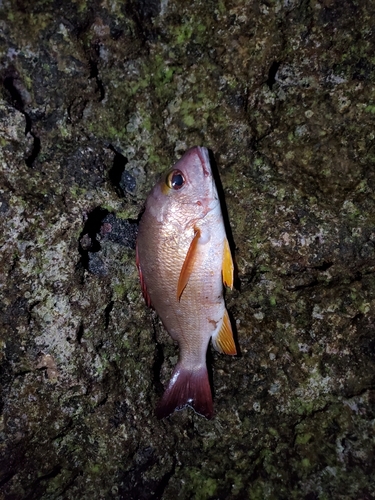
point(183, 259)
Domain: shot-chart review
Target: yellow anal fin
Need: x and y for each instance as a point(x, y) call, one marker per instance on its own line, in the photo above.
point(228, 267)
point(223, 341)
point(188, 265)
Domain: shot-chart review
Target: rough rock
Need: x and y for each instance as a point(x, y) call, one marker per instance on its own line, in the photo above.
point(97, 99)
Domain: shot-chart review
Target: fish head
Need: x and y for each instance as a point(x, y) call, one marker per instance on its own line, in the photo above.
point(188, 188)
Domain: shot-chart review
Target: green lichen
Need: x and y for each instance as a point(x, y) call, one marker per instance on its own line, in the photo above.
point(201, 487)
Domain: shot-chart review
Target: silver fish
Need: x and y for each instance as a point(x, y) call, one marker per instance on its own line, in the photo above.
point(183, 258)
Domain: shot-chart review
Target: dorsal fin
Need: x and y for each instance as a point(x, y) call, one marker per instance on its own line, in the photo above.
point(188, 265)
point(227, 267)
point(223, 340)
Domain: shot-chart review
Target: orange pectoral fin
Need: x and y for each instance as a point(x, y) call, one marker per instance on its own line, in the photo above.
point(228, 267)
point(188, 265)
point(223, 341)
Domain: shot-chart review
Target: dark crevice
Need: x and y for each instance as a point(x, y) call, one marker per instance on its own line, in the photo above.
point(249, 278)
point(311, 284)
point(99, 346)
point(55, 471)
point(28, 123)
point(107, 313)
point(122, 180)
point(357, 276)
point(163, 482)
point(102, 402)
point(94, 73)
point(88, 242)
point(35, 151)
point(22, 373)
point(357, 318)
point(7, 477)
point(142, 13)
point(14, 263)
point(158, 361)
point(324, 266)
point(80, 333)
point(271, 80)
point(118, 167)
point(14, 93)
point(64, 431)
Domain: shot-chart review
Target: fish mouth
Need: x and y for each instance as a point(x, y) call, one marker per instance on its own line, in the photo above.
point(205, 161)
point(211, 194)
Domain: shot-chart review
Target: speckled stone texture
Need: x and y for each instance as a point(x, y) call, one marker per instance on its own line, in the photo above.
point(97, 99)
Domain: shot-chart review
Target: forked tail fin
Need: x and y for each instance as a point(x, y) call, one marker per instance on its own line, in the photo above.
point(187, 388)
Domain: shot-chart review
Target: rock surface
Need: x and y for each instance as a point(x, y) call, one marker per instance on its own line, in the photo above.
point(98, 98)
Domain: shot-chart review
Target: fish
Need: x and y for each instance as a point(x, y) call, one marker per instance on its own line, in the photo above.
point(183, 259)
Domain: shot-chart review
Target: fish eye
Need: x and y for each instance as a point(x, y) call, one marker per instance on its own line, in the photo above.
point(175, 180)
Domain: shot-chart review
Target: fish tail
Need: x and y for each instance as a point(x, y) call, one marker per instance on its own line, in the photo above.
point(187, 388)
